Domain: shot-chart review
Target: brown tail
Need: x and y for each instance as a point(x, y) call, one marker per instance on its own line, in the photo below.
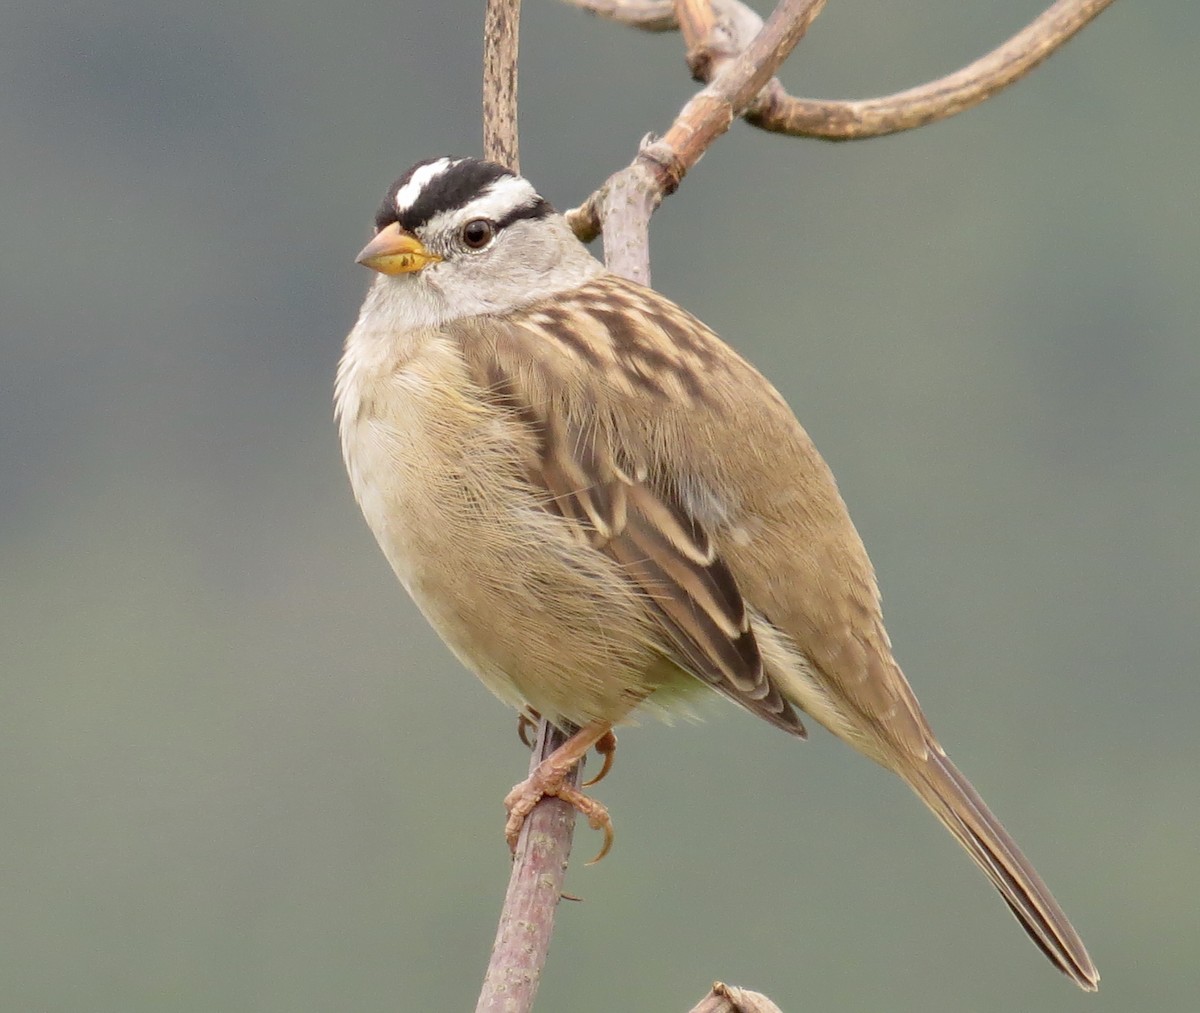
point(952, 799)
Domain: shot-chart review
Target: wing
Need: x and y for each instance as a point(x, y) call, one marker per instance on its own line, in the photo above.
point(604, 496)
point(686, 466)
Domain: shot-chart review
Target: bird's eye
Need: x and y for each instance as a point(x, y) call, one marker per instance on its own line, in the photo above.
point(478, 233)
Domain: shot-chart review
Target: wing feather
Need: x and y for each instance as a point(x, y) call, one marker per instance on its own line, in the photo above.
point(574, 370)
point(662, 550)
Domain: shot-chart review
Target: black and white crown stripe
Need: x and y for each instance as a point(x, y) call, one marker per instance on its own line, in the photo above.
point(440, 190)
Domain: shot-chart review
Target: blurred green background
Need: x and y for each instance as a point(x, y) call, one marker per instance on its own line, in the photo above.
point(237, 772)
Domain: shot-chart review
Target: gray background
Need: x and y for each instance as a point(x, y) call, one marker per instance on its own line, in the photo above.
point(237, 772)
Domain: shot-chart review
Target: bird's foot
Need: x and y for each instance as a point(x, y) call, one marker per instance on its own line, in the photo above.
point(606, 745)
point(520, 802)
point(552, 776)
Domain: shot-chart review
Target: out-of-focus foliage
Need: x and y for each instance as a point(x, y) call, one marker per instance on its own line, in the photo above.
point(237, 772)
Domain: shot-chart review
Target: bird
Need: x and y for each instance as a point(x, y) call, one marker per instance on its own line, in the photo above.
point(604, 510)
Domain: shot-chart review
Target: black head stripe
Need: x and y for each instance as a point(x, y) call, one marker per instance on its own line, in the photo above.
point(452, 189)
point(540, 208)
point(460, 183)
point(387, 213)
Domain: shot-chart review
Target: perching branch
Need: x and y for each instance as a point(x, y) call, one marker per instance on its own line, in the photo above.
point(534, 890)
point(540, 860)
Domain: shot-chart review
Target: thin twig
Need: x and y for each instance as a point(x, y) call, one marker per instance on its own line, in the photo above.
point(715, 31)
point(534, 890)
point(626, 201)
point(540, 860)
point(501, 25)
point(648, 15)
point(734, 87)
point(777, 111)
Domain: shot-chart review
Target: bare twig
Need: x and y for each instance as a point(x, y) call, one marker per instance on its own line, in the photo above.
point(710, 112)
point(848, 121)
point(715, 31)
point(727, 49)
point(648, 15)
point(540, 859)
point(534, 890)
point(731, 999)
point(626, 201)
point(500, 40)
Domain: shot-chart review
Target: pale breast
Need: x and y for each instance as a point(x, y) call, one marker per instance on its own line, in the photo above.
point(540, 616)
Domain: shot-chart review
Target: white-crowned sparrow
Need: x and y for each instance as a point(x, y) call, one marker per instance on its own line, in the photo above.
point(603, 508)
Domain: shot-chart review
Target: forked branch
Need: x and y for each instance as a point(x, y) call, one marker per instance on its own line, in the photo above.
point(716, 31)
point(738, 59)
point(627, 200)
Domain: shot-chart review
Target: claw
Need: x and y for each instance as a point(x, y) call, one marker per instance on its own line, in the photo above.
point(521, 800)
point(606, 746)
point(550, 777)
point(525, 724)
point(597, 817)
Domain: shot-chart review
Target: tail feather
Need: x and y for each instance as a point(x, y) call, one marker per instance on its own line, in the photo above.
point(941, 786)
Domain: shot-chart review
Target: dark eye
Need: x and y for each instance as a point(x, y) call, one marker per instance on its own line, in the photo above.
point(478, 233)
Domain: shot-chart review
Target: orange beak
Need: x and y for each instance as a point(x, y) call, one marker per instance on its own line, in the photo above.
point(394, 251)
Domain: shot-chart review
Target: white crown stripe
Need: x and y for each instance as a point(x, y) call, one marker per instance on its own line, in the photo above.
point(407, 195)
point(497, 200)
point(506, 194)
